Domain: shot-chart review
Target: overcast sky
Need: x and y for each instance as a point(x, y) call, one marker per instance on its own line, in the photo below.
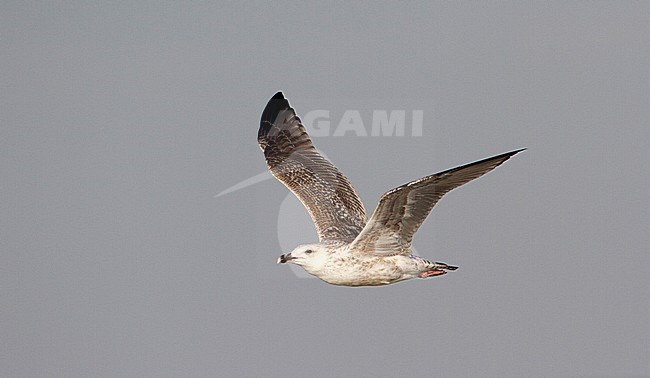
point(120, 122)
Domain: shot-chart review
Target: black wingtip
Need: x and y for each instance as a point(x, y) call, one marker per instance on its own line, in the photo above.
point(507, 155)
point(515, 151)
point(276, 105)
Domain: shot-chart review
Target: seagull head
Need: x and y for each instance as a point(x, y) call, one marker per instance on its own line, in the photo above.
point(306, 255)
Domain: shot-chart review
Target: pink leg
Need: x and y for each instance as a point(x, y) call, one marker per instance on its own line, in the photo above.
point(431, 273)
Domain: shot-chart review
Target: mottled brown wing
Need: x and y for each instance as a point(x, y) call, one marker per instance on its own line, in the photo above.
point(330, 199)
point(402, 210)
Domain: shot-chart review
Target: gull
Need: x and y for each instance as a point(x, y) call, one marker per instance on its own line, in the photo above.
point(353, 250)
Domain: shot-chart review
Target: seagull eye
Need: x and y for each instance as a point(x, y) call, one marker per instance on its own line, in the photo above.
point(308, 251)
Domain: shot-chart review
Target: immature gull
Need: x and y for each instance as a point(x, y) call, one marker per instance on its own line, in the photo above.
point(352, 250)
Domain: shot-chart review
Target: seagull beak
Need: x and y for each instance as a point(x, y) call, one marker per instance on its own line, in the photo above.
point(285, 258)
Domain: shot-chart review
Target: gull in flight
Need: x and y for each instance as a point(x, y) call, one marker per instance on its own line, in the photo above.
point(353, 250)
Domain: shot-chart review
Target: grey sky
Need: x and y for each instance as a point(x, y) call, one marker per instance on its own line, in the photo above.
point(121, 121)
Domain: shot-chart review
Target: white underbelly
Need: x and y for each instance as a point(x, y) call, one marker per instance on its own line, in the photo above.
point(370, 272)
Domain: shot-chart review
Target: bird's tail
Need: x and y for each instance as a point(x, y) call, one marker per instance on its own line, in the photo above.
point(441, 265)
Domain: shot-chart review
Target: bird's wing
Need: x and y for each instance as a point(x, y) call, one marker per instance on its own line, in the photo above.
point(330, 199)
point(402, 210)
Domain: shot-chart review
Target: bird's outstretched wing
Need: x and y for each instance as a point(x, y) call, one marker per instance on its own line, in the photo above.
point(330, 199)
point(402, 210)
